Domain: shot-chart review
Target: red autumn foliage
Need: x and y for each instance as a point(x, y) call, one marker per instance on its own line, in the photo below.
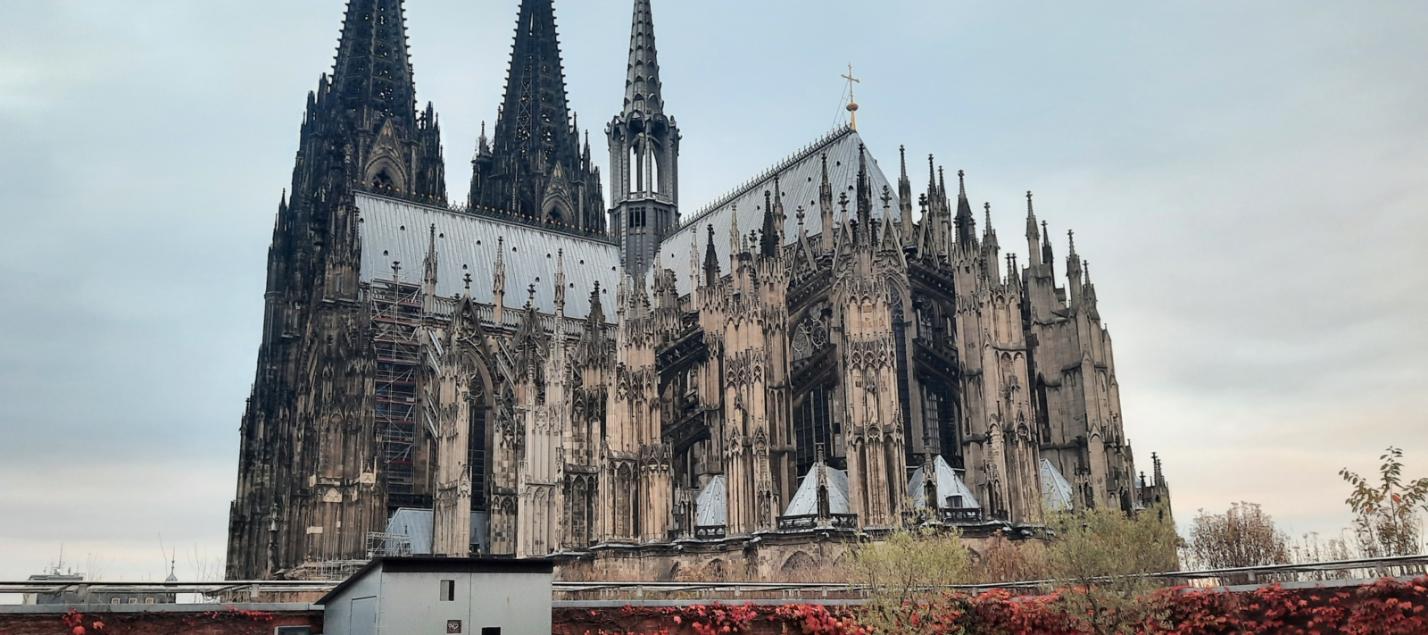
point(1386, 607)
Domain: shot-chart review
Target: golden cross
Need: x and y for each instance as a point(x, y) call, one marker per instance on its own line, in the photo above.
point(851, 80)
point(852, 103)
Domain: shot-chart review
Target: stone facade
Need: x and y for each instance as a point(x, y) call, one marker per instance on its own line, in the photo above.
point(662, 385)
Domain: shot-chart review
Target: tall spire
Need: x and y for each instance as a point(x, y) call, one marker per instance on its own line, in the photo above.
point(644, 153)
point(535, 115)
point(535, 167)
point(373, 66)
point(642, 85)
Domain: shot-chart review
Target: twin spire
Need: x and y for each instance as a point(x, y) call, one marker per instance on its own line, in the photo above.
point(373, 66)
point(534, 114)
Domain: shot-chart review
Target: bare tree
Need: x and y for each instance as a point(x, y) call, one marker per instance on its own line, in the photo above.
point(1243, 536)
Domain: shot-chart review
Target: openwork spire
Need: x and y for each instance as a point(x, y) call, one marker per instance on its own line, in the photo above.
point(535, 116)
point(373, 67)
point(642, 85)
point(535, 169)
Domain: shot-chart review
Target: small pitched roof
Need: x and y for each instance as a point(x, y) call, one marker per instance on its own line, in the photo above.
point(711, 507)
point(948, 485)
point(1055, 489)
point(805, 500)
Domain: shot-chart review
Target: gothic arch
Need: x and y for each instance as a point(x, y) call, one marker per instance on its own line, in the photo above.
point(384, 174)
point(557, 209)
point(799, 562)
point(716, 570)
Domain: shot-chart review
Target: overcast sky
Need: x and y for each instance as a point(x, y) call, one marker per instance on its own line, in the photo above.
point(1246, 178)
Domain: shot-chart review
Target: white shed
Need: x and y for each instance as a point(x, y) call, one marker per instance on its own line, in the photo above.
point(398, 596)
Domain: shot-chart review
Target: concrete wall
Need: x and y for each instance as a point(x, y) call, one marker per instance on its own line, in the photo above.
point(515, 602)
point(340, 615)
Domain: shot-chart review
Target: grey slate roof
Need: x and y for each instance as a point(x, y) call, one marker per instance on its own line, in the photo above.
point(710, 507)
point(396, 230)
point(799, 179)
point(1055, 490)
point(416, 525)
point(805, 500)
point(948, 484)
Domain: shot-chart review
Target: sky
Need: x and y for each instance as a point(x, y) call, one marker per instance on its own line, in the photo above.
point(1249, 181)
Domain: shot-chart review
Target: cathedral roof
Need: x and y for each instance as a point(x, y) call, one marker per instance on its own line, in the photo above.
point(398, 231)
point(799, 178)
point(415, 525)
point(1055, 489)
point(948, 485)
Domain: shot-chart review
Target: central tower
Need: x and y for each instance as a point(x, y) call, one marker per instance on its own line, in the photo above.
point(644, 154)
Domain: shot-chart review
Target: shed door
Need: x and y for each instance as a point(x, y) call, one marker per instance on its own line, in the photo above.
point(363, 616)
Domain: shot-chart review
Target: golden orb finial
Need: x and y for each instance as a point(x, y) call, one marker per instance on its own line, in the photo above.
point(852, 101)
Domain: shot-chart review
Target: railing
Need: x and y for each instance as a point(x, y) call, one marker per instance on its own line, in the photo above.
point(813, 521)
point(962, 515)
point(710, 532)
point(1357, 570)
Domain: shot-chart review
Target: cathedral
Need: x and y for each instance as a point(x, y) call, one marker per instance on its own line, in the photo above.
point(826, 351)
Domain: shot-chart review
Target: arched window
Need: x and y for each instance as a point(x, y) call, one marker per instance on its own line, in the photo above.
point(477, 441)
point(382, 183)
point(633, 171)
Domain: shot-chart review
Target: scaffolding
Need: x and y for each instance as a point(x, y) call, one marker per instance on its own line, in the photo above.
point(397, 317)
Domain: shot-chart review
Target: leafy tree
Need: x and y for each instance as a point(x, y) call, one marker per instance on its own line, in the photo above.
point(1099, 556)
point(1243, 536)
point(905, 573)
point(1386, 512)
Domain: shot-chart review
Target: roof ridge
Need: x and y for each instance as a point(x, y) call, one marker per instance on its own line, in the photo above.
point(743, 188)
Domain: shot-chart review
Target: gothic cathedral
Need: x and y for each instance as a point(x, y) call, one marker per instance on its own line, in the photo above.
point(821, 352)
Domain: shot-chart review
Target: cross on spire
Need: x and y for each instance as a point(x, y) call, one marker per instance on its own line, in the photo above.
point(852, 102)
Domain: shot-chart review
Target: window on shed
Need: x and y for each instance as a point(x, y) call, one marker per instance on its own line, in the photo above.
point(448, 590)
point(491, 630)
